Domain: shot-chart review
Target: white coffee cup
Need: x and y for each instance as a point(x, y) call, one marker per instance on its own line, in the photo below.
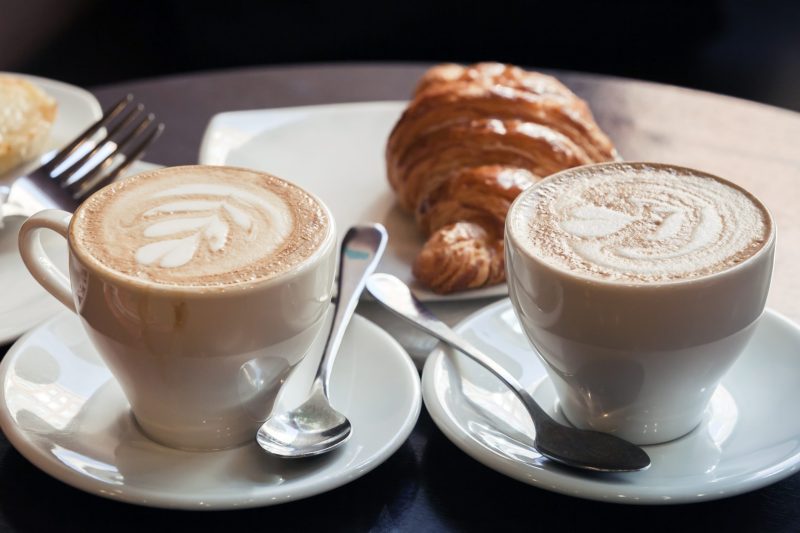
point(200, 368)
point(640, 361)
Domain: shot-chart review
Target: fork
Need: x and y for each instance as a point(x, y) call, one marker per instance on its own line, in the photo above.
point(95, 158)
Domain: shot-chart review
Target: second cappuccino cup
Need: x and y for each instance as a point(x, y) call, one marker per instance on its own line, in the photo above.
point(638, 285)
point(201, 288)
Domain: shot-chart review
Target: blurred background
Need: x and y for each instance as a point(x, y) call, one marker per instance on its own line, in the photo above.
point(749, 49)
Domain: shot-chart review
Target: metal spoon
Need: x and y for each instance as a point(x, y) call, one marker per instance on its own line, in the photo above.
point(315, 427)
point(589, 450)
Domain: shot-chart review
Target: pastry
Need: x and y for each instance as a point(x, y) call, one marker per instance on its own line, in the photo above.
point(469, 142)
point(27, 114)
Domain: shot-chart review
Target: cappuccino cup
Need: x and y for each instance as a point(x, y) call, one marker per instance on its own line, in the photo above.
point(201, 287)
point(638, 285)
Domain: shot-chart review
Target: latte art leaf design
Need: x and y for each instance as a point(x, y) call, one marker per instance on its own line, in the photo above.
point(653, 231)
point(169, 254)
point(207, 222)
point(639, 223)
point(669, 226)
point(201, 226)
point(213, 229)
point(595, 221)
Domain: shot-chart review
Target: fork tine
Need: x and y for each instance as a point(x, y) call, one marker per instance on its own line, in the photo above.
point(64, 176)
point(87, 179)
point(108, 115)
point(136, 151)
point(131, 152)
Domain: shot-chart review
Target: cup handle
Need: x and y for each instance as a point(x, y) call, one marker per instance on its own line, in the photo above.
point(36, 259)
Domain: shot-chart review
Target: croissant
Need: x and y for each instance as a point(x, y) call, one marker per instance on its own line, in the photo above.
point(469, 142)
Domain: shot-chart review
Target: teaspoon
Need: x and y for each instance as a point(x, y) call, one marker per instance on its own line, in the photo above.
point(315, 427)
point(588, 450)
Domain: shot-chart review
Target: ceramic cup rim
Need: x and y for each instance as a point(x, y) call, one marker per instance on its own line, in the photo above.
point(513, 239)
point(208, 291)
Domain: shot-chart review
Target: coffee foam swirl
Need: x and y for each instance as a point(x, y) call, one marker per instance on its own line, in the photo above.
point(640, 223)
point(200, 226)
point(235, 208)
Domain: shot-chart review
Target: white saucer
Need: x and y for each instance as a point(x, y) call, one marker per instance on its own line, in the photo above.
point(24, 302)
point(337, 152)
point(749, 438)
point(62, 410)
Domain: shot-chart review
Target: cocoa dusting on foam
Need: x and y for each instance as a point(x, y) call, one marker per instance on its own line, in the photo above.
point(635, 223)
point(200, 226)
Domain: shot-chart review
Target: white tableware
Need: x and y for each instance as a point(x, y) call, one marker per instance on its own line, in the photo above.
point(91, 160)
point(61, 408)
point(748, 438)
point(200, 365)
point(77, 109)
point(337, 152)
point(588, 450)
point(24, 302)
point(637, 360)
point(315, 427)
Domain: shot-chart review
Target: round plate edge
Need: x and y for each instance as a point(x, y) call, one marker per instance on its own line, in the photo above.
point(509, 467)
point(68, 477)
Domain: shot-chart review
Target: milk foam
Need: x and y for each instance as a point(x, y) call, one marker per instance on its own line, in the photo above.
point(639, 223)
point(213, 228)
point(200, 226)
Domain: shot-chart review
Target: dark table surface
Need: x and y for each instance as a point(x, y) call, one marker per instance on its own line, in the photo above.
point(429, 484)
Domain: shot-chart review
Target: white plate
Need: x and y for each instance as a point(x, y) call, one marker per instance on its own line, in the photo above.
point(77, 108)
point(24, 303)
point(336, 152)
point(60, 407)
point(749, 438)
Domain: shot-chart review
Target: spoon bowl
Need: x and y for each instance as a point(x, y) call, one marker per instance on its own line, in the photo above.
point(313, 428)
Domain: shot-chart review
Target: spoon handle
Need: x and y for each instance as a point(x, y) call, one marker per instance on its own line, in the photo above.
point(398, 298)
point(362, 248)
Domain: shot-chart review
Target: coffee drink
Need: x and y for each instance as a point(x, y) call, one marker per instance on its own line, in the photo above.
point(641, 223)
point(201, 287)
point(200, 226)
point(638, 285)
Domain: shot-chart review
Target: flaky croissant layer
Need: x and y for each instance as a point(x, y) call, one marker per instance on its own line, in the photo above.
point(469, 142)
point(460, 256)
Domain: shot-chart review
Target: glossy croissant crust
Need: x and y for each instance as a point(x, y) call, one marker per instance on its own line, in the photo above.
point(460, 256)
point(469, 142)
